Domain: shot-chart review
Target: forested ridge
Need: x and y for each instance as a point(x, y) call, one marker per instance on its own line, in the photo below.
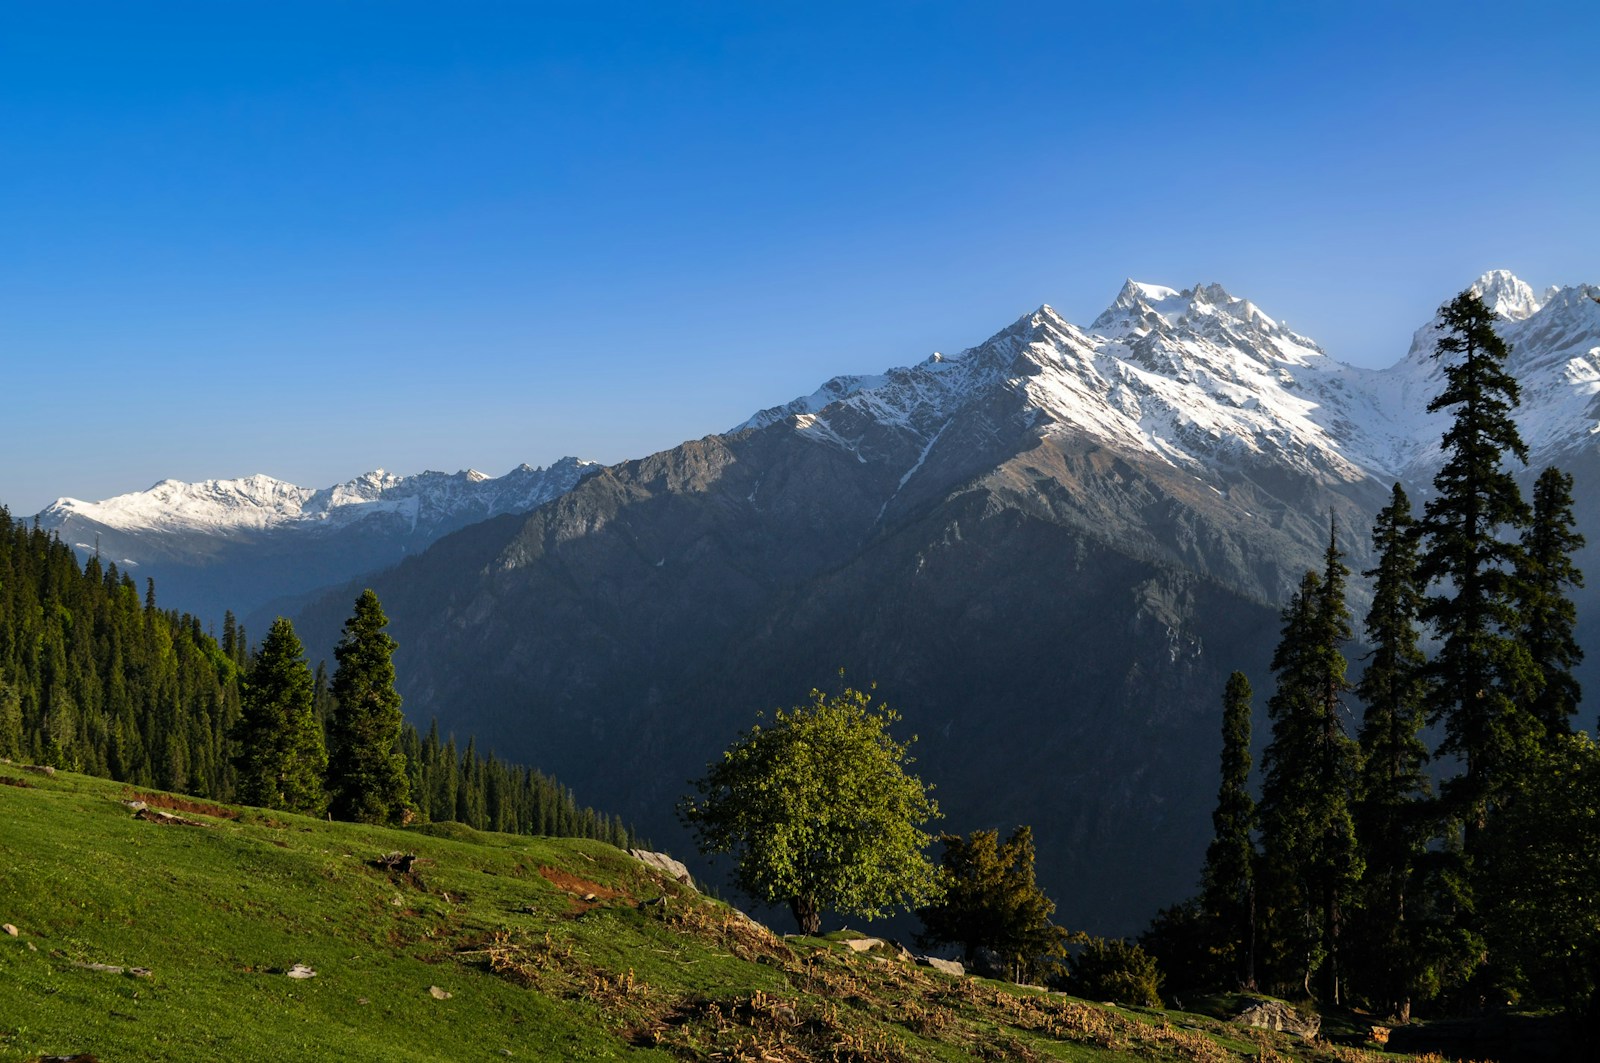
point(95, 677)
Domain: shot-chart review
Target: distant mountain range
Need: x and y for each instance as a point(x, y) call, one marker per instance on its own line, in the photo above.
point(1049, 550)
point(254, 543)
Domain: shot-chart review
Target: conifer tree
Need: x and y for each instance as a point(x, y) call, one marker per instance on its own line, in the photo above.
point(1546, 570)
point(992, 901)
point(1309, 853)
point(1228, 881)
point(1481, 665)
point(367, 781)
point(1391, 813)
point(10, 721)
point(280, 758)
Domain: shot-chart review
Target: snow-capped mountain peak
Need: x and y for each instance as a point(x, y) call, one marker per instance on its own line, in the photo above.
point(1508, 295)
point(1201, 378)
point(264, 503)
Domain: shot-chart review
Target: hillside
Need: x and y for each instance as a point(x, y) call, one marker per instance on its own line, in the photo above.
point(143, 940)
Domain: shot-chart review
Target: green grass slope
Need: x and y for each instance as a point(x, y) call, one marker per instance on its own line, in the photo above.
point(488, 947)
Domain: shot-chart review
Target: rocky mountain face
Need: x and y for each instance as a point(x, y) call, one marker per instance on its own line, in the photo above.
point(1048, 551)
point(254, 545)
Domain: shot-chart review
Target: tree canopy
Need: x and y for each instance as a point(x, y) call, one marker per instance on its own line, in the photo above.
point(818, 811)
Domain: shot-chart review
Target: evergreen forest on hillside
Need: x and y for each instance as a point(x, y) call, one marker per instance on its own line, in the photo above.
point(98, 679)
point(1353, 879)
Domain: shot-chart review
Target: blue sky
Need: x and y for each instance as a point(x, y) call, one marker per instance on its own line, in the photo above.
point(311, 239)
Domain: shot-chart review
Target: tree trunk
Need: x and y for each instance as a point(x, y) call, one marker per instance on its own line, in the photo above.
point(806, 915)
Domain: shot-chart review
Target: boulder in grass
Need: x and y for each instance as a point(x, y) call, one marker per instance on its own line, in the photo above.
point(300, 970)
point(947, 966)
point(1276, 1015)
point(673, 869)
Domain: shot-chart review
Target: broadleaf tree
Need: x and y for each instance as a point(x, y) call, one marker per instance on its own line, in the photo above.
point(818, 811)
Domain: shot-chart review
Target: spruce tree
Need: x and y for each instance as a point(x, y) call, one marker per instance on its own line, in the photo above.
point(992, 901)
point(1228, 881)
point(280, 759)
point(1545, 573)
point(367, 780)
point(1391, 810)
point(1309, 854)
point(1481, 666)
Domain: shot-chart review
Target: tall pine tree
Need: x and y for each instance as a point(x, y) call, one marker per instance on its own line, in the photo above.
point(1392, 822)
point(367, 780)
point(1545, 572)
point(1309, 855)
point(1482, 665)
point(280, 757)
point(1228, 888)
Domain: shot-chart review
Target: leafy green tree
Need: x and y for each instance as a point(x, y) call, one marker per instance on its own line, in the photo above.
point(280, 759)
point(1309, 854)
point(819, 811)
point(1228, 888)
point(992, 901)
point(1392, 812)
point(1481, 665)
point(367, 780)
point(1545, 572)
point(1115, 970)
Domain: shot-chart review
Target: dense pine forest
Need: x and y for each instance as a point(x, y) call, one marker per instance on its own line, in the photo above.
point(95, 677)
point(1365, 875)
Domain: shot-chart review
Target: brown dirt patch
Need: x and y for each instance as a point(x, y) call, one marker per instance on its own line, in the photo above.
point(11, 780)
point(584, 893)
point(181, 804)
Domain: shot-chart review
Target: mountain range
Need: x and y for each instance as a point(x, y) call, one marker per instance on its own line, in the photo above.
point(1049, 550)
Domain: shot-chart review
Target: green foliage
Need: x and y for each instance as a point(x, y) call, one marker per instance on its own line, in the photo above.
point(1481, 665)
point(1545, 572)
point(1115, 970)
point(992, 901)
point(1541, 889)
point(367, 779)
point(281, 760)
point(93, 679)
point(1310, 862)
point(1228, 889)
point(1392, 818)
point(819, 811)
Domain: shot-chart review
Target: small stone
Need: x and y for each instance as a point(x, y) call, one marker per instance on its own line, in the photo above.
point(300, 970)
point(8, 928)
point(864, 944)
point(32, 947)
point(398, 901)
point(590, 898)
point(140, 972)
point(438, 994)
point(362, 1000)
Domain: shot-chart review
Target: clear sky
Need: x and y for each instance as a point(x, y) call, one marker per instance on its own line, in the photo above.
point(312, 239)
